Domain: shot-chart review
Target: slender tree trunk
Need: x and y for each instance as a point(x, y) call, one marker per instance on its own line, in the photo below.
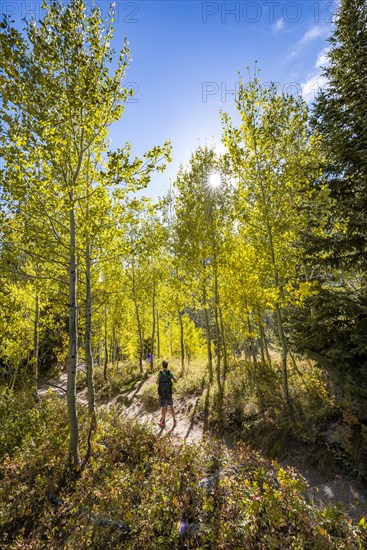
point(118, 356)
point(218, 336)
point(284, 353)
point(308, 279)
point(254, 359)
point(208, 338)
point(140, 335)
point(261, 335)
point(158, 337)
point(36, 341)
point(279, 320)
point(13, 377)
point(264, 344)
point(224, 345)
point(153, 327)
point(99, 354)
point(262, 349)
point(113, 346)
point(73, 346)
point(87, 333)
point(112, 350)
point(182, 342)
point(171, 340)
point(267, 350)
point(105, 344)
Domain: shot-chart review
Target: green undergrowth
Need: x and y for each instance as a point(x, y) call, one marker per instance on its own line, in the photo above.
point(314, 425)
point(170, 496)
point(150, 398)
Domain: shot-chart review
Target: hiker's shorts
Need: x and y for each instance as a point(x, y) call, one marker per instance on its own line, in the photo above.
point(164, 401)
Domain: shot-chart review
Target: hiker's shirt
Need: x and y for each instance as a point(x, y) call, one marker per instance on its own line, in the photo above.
point(162, 373)
point(164, 388)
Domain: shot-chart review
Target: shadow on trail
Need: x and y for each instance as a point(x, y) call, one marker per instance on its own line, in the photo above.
point(192, 419)
point(129, 400)
point(169, 431)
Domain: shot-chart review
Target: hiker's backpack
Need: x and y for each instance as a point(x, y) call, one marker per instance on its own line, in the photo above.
point(165, 384)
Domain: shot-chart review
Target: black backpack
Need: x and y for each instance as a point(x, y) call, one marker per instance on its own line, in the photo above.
point(165, 384)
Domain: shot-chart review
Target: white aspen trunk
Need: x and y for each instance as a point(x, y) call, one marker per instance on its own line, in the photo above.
point(265, 356)
point(208, 338)
point(153, 327)
point(105, 343)
point(158, 338)
point(182, 342)
point(171, 340)
point(13, 377)
point(73, 346)
point(254, 359)
point(217, 330)
point(308, 279)
point(36, 342)
point(113, 346)
point(224, 345)
point(140, 333)
point(88, 330)
point(284, 353)
point(262, 347)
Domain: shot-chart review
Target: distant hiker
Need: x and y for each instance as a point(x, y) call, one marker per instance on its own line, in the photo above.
point(149, 360)
point(164, 382)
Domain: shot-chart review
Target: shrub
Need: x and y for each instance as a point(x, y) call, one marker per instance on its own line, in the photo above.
point(195, 496)
point(150, 398)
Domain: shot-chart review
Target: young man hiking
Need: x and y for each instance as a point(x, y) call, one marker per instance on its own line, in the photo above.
point(164, 382)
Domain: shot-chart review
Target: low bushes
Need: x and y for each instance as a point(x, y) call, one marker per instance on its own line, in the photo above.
point(196, 496)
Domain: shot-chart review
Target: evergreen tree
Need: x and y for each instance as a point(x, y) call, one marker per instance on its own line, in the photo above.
point(333, 329)
point(341, 117)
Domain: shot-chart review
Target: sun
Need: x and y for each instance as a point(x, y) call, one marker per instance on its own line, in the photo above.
point(214, 180)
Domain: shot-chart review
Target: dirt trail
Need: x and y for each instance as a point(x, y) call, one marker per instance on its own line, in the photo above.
point(322, 489)
point(184, 408)
point(58, 385)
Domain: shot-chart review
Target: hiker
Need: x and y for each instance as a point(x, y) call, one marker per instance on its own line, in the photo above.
point(164, 382)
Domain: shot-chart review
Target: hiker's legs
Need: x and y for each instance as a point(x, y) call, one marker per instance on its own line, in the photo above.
point(172, 411)
point(163, 413)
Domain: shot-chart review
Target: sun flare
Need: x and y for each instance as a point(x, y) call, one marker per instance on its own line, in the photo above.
point(214, 181)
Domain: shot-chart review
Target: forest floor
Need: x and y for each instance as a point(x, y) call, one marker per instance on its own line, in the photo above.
point(190, 428)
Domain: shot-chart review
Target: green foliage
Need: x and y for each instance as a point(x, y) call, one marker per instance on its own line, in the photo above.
point(150, 398)
point(340, 117)
point(335, 336)
point(235, 499)
point(332, 326)
point(18, 421)
point(197, 274)
point(193, 381)
point(319, 427)
point(33, 455)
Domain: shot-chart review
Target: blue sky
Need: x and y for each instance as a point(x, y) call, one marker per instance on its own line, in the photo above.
point(186, 55)
point(186, 58)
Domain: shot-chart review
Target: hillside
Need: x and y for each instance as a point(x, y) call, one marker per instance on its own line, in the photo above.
point(147, 487)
